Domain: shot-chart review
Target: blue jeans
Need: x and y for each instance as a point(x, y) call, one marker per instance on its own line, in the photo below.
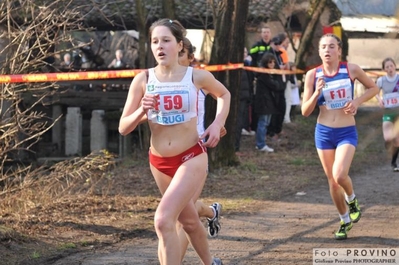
point(263, 122)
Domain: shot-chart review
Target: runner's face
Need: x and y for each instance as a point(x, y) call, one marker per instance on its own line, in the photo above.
point(164, 45)
point(390, 68)
point(329, 50)
point(184, 58)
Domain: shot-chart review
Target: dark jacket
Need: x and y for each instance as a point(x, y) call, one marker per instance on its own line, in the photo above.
point(265, 102)
point(257, 50)
point(246, 88)
point(277, 77)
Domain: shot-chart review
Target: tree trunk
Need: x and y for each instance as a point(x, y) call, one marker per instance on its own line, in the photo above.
point(143, 40)
point(141, 26)
point(308, 34)
point(234, 79)
point(169, 9)
point(229, 25)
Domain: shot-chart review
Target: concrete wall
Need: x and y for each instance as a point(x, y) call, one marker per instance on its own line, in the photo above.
point(369, 53)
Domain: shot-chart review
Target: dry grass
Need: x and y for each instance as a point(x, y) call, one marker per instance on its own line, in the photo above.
point(43, 188)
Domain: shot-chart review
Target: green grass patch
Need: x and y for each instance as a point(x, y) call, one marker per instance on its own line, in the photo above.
point(35, 255)
point(67, 246)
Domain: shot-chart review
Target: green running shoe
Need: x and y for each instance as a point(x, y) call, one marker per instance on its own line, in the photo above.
point(343, 230)
point(354, 210)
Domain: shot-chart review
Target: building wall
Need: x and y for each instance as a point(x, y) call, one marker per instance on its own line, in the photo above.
point(369, 53)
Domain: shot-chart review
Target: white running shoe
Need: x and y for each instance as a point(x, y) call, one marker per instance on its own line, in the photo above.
point(217, 261)
point(214, 223)
point(266, 149)
point(245, 132)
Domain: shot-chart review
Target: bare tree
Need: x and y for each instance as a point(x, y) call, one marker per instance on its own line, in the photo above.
point(29, 36)
point(32, 32)
point(317, 8)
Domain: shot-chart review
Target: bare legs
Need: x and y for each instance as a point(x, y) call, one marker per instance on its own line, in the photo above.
point(203, 211)
point(391, 136)
point(177, 204)
point(336, 164)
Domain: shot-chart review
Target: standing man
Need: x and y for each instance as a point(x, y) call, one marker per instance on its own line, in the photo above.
point(259, 48)
point(256, 53)
point(276, 122)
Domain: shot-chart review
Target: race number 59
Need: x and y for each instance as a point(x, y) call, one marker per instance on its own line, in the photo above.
point(172, 102)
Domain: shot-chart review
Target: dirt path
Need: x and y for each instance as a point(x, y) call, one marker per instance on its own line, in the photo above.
point(285, 232)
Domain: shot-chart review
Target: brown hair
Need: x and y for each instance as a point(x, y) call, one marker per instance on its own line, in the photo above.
point(266, 58)
point(178, 31)
point(388, 59)
point(187, 45)
point(264, 26)
point(333, 36)
point(282, 36)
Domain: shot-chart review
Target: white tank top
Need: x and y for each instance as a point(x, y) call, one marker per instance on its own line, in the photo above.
point(177, 102)
point(201, 112)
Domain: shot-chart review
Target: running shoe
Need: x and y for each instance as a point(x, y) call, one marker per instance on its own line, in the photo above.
point(343, 230)
point(244, 132)
point(354, 210)
point(213, 224)
point(395, 167)
point(217, 261)
point(265, 149)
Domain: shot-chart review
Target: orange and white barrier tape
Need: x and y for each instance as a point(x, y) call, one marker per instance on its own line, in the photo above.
point(130, 73)
point(273, 71)
point(221, 67)
point(69, 76)
point(112, 74)
point(376, 73)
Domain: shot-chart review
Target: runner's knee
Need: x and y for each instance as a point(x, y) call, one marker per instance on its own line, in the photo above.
point(163, 223)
